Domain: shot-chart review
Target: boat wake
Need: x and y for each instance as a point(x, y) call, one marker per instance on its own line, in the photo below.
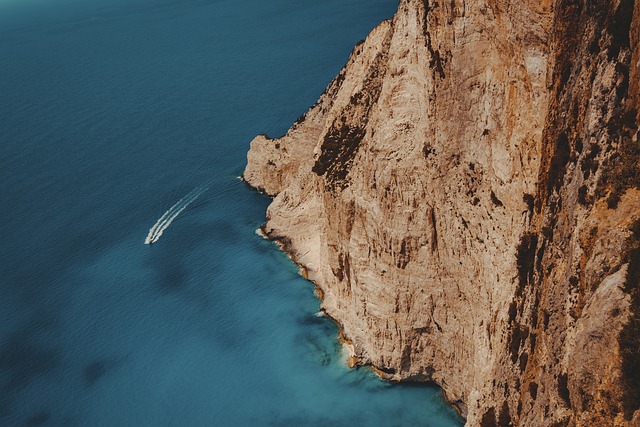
point(167, 218)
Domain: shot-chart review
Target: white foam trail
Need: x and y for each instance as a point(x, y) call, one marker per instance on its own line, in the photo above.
point(163, 218)
point(167, 218)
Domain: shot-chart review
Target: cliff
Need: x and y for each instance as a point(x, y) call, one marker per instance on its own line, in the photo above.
point(466, 194)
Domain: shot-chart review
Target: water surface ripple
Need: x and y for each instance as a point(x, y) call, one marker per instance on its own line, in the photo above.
point(111, 112)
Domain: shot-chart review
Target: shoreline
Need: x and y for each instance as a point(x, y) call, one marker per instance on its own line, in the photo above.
point(353, 361)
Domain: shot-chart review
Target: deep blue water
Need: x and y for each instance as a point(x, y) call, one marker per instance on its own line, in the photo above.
point(110, 112)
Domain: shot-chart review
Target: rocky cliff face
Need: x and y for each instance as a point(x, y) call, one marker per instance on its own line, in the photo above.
point(466, 194)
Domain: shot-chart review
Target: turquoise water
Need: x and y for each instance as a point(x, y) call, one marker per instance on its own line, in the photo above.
point(111, 111)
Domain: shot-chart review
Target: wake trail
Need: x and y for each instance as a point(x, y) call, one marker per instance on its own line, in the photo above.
point(172, 209)
point(167, 218)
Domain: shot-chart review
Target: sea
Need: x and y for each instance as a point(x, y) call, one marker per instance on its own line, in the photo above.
point(123, 120)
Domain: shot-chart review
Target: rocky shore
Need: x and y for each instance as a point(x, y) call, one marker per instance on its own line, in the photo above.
point(466, 196)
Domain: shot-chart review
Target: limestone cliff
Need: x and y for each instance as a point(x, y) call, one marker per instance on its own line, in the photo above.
point(466, 195)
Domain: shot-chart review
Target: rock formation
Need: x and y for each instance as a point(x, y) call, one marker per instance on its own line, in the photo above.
point(466, 194)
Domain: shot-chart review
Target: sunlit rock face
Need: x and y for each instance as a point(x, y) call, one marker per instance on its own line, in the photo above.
point(465, 194)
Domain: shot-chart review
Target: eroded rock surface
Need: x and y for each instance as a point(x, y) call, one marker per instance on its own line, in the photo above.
point(465, 193)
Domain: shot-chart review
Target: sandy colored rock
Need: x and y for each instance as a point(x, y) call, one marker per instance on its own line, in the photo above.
point(464, 194)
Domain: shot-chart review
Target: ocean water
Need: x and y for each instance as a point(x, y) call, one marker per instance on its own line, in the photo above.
point(110, 112)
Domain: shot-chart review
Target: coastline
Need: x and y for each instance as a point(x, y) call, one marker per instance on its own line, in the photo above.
point(353, 361)
point(440, 194)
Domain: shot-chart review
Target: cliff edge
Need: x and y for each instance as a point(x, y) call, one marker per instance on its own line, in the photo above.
point(466, 193)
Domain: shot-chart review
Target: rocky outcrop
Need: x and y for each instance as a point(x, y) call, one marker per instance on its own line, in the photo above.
point(466, 195)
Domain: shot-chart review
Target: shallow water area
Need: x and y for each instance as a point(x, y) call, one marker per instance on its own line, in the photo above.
point(112, 112)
